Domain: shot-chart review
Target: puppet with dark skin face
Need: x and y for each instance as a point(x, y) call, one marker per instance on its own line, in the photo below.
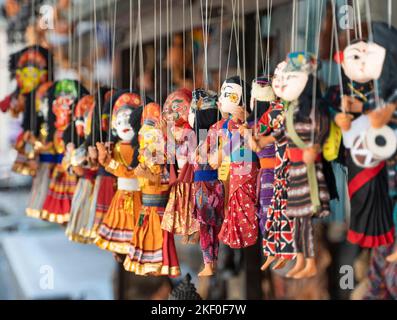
point(238, 167)
point(208, 193)
point(104, 182)
point(116, 229)
point(62, 98)
point(30, 68)
point(43, 154)
point(308, 194)
point(79, 225)
point(178, 218)
point(152, 250)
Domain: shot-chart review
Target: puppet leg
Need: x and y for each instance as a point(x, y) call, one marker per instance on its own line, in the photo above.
point(300, 258)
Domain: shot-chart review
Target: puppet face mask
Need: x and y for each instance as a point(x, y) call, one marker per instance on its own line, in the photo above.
point(276, 81)
point(28, 78)
point(363, 62)
point(176, 108)
point(61, 109)
point(292, 84)
point(123, 126)
point(230, 97)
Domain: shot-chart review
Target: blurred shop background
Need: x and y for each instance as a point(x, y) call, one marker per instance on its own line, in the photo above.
point(172, 55)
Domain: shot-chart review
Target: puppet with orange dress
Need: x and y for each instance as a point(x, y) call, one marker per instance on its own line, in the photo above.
point(116, 230)
point(152, 250)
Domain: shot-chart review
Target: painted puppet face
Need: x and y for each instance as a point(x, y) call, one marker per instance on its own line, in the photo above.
point(288, 85)
point(83, 115)
point(28, 78)
point(176, 108)
point(230, 97)
point(363, 62)
point(61, 107)
point(122, 125)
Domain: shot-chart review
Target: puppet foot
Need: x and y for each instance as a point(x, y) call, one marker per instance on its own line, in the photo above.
point(309, 271)
point(280, 264)
point(392, 258)
point(299, 265)
point(195, 238)
point(268, 262)
point(207, 271)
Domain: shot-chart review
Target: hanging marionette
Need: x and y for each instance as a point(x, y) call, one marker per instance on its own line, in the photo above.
point(44, 153)
point(307, 124)
point(105, 182)
point(116, 230)
point(30, 67)
point(261, 97)
point(371, 222)
point(237, 165)
point(208, 192)
point(152, 250)
point(85, 168)
point(62, 98)
point(270, 142)
point(178, 216)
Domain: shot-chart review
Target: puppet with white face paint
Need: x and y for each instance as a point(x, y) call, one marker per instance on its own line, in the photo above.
point(371, 222)
point(308, 194)
point(240, 166)
point(116, 230)
point(270, 145)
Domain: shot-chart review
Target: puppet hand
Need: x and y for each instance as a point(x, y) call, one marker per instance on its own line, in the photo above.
point(215, 159)
point(92, 153)
point(343, 121)
point(79, 171)
point(310, 154)
point(33, 165)
point(381, 117)
point(103, 155)
point(351, 104)
point(240, 114)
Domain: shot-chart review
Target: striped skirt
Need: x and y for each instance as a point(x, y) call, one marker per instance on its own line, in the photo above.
point(152, 250)
point(80, 213)
point(116, 230)
point(56, 207)
point(41, 183)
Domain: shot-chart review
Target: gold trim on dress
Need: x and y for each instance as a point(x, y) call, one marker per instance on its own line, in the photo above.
point(116, 247)
point(150, 269)
point(55, 217)
point(23, 169)
point(33, 213)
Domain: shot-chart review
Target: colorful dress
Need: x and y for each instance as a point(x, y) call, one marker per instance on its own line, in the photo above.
point(116, 230)
point(152, 249)
point(300, 206)
point(240, 226)
point(178, 216)
point(102, 195)
point(208, 198)
point(77, 229)
point(278, 232)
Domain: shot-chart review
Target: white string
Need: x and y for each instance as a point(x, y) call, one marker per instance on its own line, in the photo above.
point(155, 50)
point(244, 65)
point(183, 44)
point(389, 12)
point(141, 62)
point(269, 21)
point(231, 37)
point(293, 26)
point(112, 63)
point(161, 55)
point(220, 48)
point(191, 30)
point(130, 42)
point(360, 32)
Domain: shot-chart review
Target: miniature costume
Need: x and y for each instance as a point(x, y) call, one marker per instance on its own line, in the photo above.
point(178, 216)
point(44, 155)
point(240, 226)
point(208, 193)
point(61, 98)
point(152, 250)
point(116, 230)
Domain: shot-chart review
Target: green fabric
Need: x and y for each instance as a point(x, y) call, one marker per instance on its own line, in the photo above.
point(311, 168)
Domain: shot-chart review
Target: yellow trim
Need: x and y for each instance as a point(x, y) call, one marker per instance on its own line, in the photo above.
point(88, 234)
point(55, 217)
point(152, 269)
point(33, 213)
point(23, 169)
point(117, 247)
point(78, 238)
